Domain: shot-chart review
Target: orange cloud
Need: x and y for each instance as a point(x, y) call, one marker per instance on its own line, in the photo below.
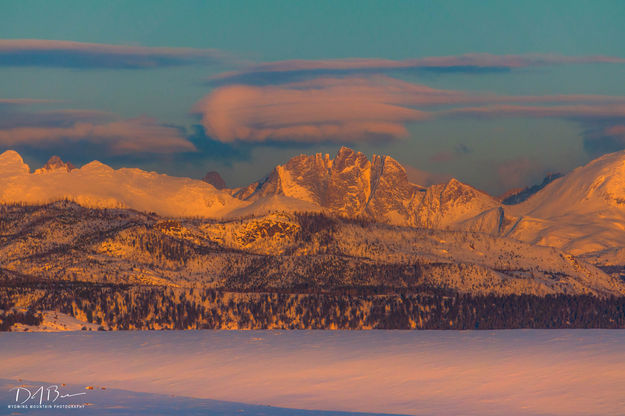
point(318, 110)
point(120, 137)
point(616, 131)
point(365, 108)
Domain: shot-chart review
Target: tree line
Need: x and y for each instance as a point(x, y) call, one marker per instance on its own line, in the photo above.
point(121, 307)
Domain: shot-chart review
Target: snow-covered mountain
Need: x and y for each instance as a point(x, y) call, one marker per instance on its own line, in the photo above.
point(582, 213)
point(597, 186)
point(348, 185)
point(352, 185)
point(100, 186)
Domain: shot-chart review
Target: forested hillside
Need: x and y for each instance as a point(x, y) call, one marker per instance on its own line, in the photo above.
point(123, 269)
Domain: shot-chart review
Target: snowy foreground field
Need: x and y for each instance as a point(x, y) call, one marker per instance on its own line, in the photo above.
point(510, 372)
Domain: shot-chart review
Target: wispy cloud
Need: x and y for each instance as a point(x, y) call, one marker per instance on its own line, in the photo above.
point(66, 54)
point(575, 112)
point(25, 101)
point(347, 100)
point(12, 118)
point(79, 134)
point(369, 108)
point(289, 70)
point(71, 127)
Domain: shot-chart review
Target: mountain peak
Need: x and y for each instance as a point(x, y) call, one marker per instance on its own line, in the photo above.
point(346, 158)
point(11, 163)
point(345, 151)
point(55, 163)
point(10, 154)
point(451, 203)
point(454, 185)
point(595, 187)
point(96, 165)
point(454, 188)
point(215, 179)
point(350, 184)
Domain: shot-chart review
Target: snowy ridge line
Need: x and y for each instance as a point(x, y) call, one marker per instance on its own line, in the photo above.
point(581, 213)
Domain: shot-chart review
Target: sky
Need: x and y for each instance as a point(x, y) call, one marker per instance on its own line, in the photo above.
point(496, 94)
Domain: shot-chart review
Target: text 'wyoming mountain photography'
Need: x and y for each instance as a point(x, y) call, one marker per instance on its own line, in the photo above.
point(312, 208)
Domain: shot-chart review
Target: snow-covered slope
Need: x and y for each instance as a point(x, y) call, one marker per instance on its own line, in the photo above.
point(582, 212)
point(273, 203)
point(63, 241)
point(98, 185)
point(596, 187)
point(451, 204)
point(54, 321)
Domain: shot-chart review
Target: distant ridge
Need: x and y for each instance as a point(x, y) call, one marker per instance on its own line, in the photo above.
point(215, 179)
point(516, 196)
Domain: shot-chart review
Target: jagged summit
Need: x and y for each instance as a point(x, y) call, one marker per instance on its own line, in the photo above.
point(352, 185)
point(349, 184)
point(582, 212)
point(55, 164)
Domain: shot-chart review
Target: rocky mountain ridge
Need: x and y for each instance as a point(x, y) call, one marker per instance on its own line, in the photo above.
point(582, 213)
point(55, 163)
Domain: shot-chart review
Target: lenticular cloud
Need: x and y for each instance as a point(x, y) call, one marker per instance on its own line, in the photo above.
point(370, 108)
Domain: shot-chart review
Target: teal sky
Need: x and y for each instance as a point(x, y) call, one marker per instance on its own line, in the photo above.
point(477, 150)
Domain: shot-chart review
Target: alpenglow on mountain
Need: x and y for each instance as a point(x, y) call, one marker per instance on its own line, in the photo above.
point(581, 213)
